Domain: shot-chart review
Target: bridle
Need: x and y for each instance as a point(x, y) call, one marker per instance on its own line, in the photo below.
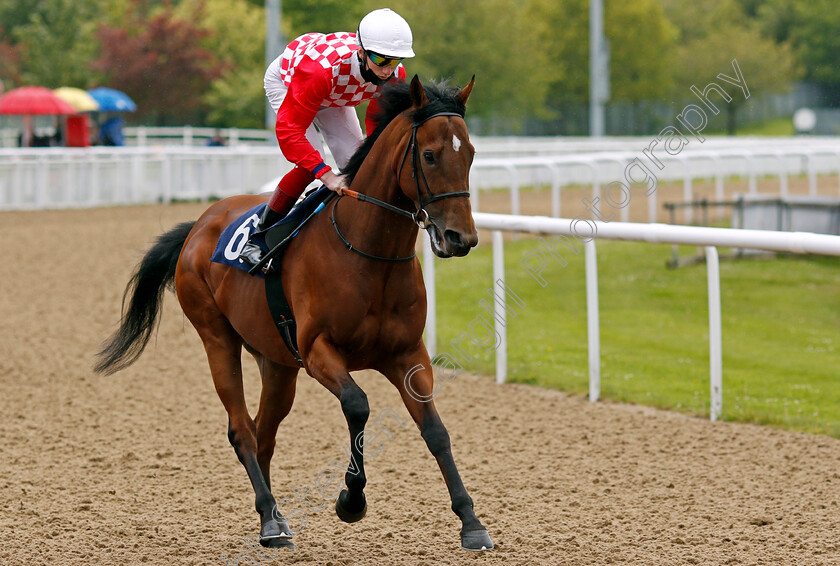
point(421, 216)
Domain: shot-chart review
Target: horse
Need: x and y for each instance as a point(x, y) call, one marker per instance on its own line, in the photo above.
point(355, 289)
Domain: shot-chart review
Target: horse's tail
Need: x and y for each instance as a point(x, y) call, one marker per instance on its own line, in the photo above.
point(141, 302)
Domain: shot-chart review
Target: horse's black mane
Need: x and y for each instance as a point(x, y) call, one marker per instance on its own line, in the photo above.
point(394, 99)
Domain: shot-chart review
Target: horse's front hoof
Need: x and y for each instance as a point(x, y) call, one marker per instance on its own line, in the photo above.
point(275, 529)
point(343, 506)
point(476, 540)
point(278, 543)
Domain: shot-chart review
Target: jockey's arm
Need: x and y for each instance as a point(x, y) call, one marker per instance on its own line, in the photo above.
point(310, 85)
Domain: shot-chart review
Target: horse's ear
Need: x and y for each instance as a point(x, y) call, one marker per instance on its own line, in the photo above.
point(418, 93)
point(465, 92)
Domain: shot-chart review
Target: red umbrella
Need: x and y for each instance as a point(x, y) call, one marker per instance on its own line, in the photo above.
point(31, 100)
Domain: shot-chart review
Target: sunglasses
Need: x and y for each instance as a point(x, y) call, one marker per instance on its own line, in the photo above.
point(382, 61)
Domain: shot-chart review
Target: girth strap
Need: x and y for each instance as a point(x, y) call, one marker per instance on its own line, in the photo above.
point(281, 312)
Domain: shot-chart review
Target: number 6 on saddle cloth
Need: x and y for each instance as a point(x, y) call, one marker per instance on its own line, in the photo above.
point(272, 241)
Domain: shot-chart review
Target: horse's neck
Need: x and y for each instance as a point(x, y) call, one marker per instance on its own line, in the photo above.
point(375, 230)
point(372, 228)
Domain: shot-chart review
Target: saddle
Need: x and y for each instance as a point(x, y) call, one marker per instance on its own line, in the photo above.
point(273, 242)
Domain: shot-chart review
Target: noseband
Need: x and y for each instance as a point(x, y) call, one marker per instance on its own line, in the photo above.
point(421, 216)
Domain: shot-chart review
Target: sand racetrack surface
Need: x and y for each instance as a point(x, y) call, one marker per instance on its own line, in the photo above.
point(136, 468)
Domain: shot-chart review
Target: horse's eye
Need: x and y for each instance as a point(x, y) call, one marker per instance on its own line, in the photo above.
point(429, 156)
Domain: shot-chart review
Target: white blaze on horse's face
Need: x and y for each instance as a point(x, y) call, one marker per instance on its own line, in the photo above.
point(456, 142)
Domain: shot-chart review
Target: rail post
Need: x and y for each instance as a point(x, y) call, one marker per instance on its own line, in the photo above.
point(715, 348)
point(500, 306)
point(593, 330)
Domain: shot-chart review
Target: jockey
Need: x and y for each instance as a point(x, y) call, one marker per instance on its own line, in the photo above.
point(316, 82)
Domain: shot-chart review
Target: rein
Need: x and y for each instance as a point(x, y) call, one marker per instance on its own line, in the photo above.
point(421, 216)
point(358, 251)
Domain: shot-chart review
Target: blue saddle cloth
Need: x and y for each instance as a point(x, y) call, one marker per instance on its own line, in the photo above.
point(238, 232)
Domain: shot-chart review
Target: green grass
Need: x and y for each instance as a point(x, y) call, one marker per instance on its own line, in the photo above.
point(782, 126)
point(775, 127)
point(781, 330)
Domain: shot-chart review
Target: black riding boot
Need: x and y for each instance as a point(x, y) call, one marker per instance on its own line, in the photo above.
point(251, 252)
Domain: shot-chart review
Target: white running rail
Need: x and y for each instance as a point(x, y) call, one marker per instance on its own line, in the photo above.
point(710, 238)
point(90, 177)
point(38, 178)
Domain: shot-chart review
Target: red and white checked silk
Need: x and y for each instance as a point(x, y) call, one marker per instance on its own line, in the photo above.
point(319, 71)
point(334, 53)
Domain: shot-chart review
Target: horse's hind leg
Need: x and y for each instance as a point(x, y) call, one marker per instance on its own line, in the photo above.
point(224, 347)
point(276, 398)
point(412, 375)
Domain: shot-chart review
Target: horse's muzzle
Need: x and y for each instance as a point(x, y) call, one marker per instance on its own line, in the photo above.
point(449, 243)
point(458, 244)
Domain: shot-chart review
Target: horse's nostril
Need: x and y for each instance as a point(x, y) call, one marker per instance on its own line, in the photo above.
point(453, 238)
point(458, 244)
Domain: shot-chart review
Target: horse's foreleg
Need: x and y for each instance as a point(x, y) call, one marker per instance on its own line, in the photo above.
point(414, 379)
point(327, 366)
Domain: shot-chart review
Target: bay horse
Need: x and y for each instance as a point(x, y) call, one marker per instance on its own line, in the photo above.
point(355, 289)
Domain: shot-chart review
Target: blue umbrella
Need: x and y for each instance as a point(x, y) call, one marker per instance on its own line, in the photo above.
point(111, 100)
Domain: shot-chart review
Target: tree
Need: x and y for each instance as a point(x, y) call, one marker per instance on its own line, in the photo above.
point(694, 20)
point(158, 60)
point(325, 16)
point(713, 33)
point(491, 39)
point(9, 62)
point(55, 42)
point(641, 49)
point(765, 66)
point(15, 13)
point(236, 35)
point(641, 41)
point(810, 27)
point(204, 59)
point(642, 53)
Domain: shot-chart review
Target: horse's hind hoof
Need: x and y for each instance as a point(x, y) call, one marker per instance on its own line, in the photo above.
point(342, 505)
point(476, 540)
point(278, 543)
point(275, 529)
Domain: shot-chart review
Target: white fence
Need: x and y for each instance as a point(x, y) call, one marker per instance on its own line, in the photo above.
point(68, 177)
point(142, 136)
point(487, 146)
point(145, 135)
point(90, 177)
point(710, 238)
point(599, 169)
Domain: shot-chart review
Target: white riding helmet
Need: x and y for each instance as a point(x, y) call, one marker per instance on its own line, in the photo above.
point(385, 32)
